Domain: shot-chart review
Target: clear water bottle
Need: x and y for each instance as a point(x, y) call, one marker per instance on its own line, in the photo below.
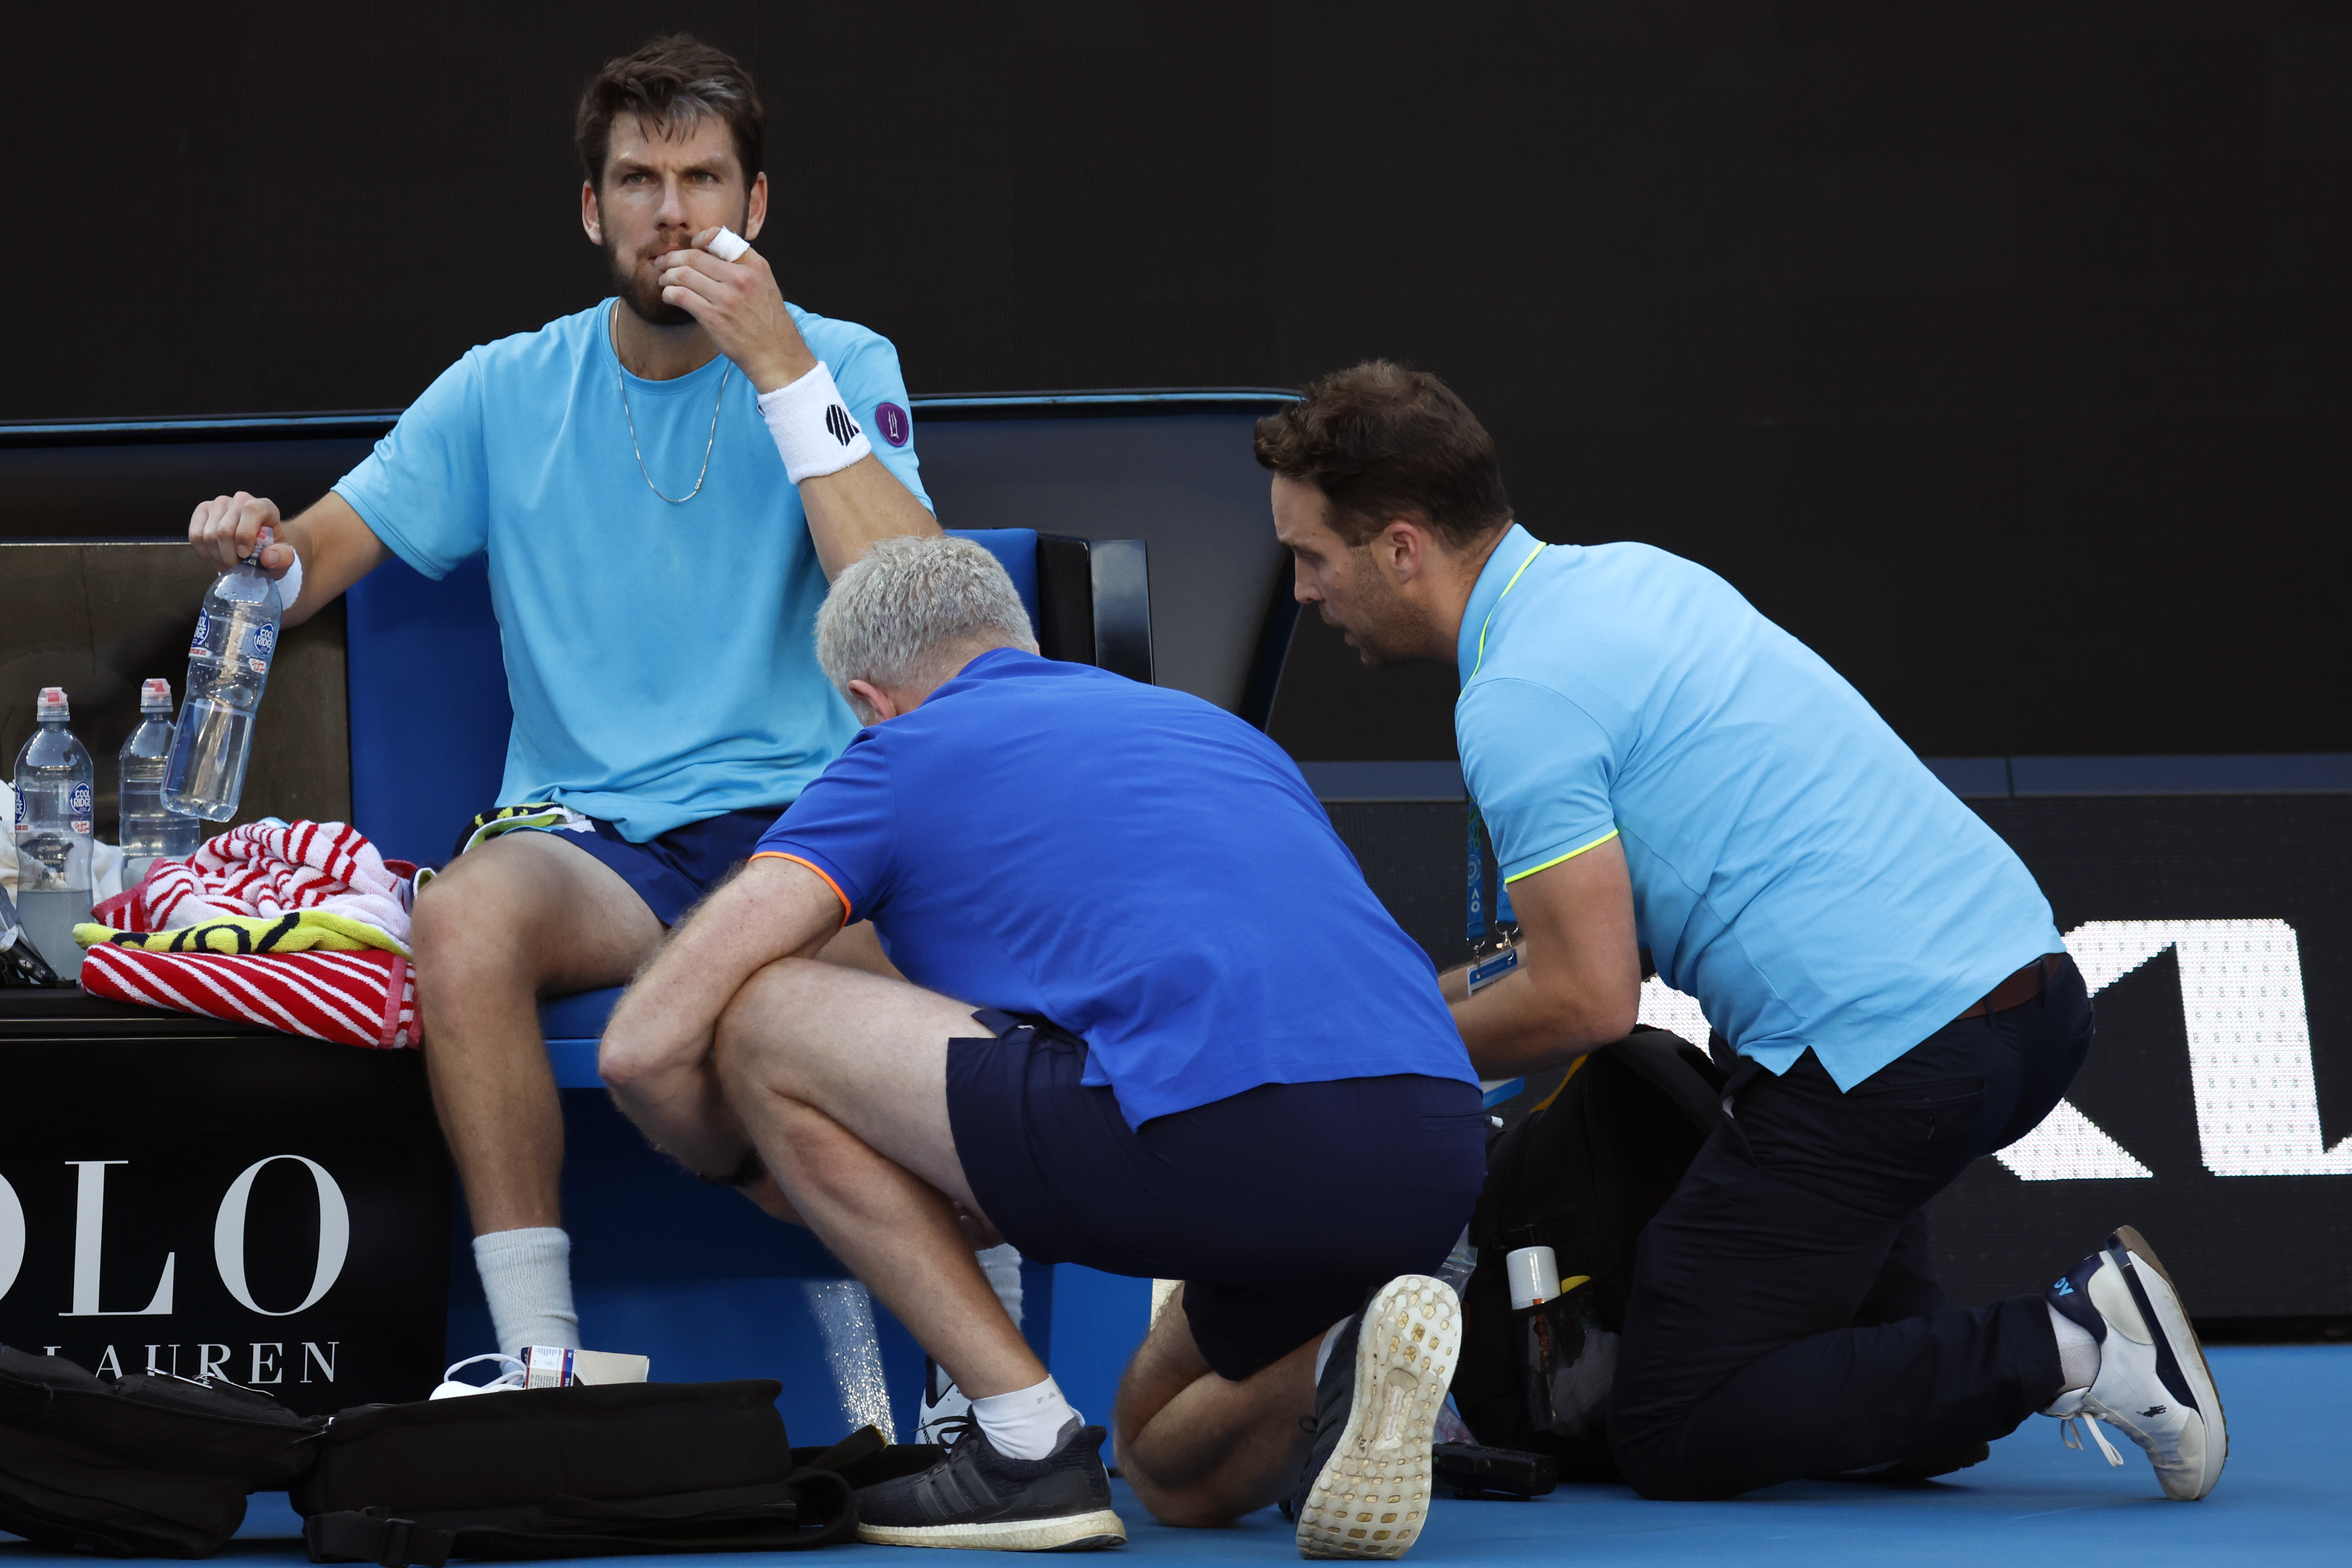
point(147, 828)
point(228, 664)
point(53, 783)
point(1460, 1264)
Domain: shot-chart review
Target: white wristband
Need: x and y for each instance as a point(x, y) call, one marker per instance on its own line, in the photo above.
point(290, 586)
point(814, 431)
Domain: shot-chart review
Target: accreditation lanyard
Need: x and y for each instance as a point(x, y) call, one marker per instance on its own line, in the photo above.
point(1492, 954)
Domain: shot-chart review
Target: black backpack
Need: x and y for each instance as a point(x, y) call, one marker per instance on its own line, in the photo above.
point(584, 1472)
point(145, 1466)
point(1582, 1172)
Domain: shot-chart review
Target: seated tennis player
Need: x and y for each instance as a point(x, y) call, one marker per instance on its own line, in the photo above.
point(1154, 1022)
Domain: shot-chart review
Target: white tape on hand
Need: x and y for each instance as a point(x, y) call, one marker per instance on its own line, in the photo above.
point(290, 586)
point(728, 245)
point(815, 432)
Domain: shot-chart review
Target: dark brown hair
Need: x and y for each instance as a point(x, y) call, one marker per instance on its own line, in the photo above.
point(1381, 441)
point(670, 82)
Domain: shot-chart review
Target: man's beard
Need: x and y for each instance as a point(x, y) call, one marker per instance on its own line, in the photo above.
point(1373, 640)
point(644, 295)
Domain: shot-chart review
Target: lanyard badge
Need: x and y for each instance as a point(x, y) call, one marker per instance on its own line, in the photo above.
point(1494, 953)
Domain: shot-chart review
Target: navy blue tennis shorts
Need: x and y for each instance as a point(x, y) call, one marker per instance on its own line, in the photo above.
point(672, 871)
point(1278, 1207)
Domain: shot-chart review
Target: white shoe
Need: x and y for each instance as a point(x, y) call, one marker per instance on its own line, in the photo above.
point(544, 1366)
point(511, 1377)
point(1364, 1489)
point(943, 1405)
point(2153, 1384)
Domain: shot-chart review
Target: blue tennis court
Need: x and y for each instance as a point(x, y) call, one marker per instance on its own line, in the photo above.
point(2286, 1499)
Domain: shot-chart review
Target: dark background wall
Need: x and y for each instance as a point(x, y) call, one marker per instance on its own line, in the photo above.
point(2000, 351)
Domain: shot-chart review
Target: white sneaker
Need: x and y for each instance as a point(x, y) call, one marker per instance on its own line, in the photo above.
point(510, 1377)
point(544, 1366)
point(2153, 1384)
point(1364, 1488)
point(943, 1405)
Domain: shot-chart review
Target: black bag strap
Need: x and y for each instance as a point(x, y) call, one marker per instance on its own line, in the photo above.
point(864, 1443)
point(809, 1507)
point(375, 1537)
point(1655, 1056)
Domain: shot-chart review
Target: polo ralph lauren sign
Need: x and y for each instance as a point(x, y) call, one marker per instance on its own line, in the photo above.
point(269, 1210)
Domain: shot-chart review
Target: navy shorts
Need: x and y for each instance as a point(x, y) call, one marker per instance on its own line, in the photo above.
point(1278, 1207)
point(671, 871)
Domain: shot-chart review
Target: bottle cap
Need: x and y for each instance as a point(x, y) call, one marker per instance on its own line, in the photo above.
point(51, 706)
point(155, 694)
point(1534, 1276)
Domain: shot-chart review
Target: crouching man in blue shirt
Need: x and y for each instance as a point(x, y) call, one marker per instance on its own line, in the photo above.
point(1663, 768)
point(1158, 1025)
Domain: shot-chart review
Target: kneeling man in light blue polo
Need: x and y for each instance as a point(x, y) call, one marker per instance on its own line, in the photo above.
point(1663, 769)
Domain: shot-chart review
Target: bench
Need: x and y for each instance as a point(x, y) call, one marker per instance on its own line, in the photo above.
point(1136, 525)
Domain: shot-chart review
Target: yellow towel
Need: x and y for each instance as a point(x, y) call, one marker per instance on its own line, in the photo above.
point(301, 931)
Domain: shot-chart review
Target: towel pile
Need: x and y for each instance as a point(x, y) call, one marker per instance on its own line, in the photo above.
point(301, 926)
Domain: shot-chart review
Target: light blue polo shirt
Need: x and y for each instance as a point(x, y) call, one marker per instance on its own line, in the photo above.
point(660, 658)
point(1795, 868)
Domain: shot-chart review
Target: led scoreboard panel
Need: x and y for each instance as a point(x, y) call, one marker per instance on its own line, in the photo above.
point(2215, 1111)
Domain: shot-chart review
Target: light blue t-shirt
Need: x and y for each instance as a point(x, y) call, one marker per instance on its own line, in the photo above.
point(660, 658)
point(1795, 868)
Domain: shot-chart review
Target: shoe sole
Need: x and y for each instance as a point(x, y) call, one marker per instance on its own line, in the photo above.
point(1372, 1495)
point(2160, 1304)
point(1071, 1532)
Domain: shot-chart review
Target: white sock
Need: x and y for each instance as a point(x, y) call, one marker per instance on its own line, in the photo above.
point(1323, 1352)
point(1028, 1423)
point(2078, 1352)
point(1001, 1264)
point(526, 1275)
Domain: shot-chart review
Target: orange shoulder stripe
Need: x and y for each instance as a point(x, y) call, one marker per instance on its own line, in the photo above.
point(846, 916)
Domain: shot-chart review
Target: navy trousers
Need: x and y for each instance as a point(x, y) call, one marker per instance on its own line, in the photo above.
point(1785, 1320)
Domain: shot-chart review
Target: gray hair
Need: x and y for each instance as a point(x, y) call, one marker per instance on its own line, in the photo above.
point(911, 612)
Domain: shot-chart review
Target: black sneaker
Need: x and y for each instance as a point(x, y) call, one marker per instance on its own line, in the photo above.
point(1364, 1489)
point(979, 1498)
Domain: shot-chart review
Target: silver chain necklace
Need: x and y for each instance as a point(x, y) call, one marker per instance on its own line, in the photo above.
point(621, 380)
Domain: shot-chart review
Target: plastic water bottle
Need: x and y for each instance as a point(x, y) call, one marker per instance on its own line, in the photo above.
point(229, 666)
point(146, 828)
point(53, 785)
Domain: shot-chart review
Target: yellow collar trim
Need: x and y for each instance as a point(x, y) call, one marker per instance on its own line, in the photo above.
point(1488, 623)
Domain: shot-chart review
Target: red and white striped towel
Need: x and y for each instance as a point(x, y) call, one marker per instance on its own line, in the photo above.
point(351, 998)
point(269, 869)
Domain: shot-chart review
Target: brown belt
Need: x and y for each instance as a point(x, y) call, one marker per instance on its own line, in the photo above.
point(2017, 990)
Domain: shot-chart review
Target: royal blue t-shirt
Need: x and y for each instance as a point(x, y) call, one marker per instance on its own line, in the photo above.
point(1141, 867)
point(1795, 868)
point(659, 657)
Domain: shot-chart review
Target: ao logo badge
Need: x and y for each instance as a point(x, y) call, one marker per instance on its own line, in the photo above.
point(892, 422)
point(2249, 1064)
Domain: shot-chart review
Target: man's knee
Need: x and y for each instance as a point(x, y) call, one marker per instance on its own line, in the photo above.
point(473, 920)
point(1647, 1424)
point(745, 1049)
point(1652, 1465)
